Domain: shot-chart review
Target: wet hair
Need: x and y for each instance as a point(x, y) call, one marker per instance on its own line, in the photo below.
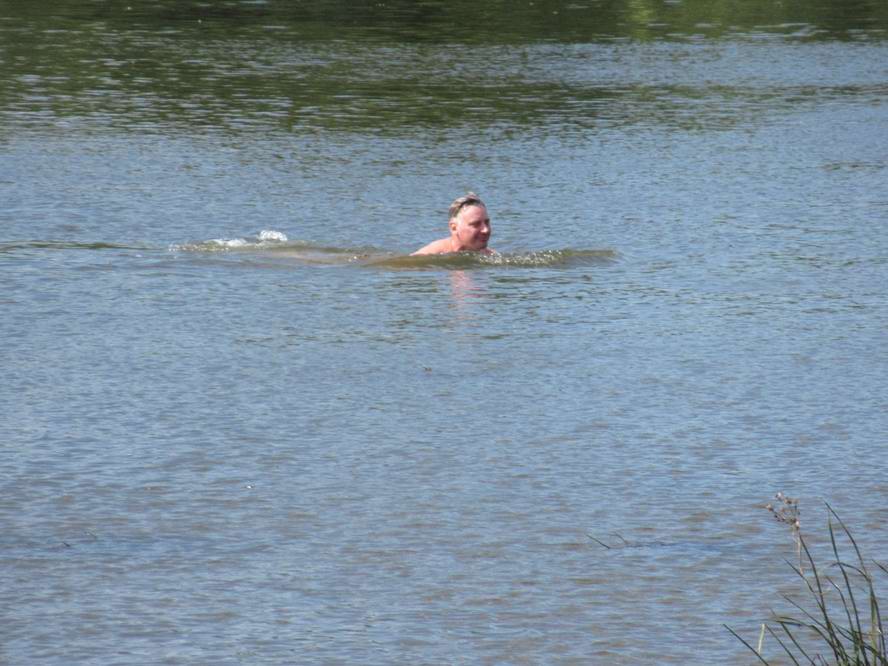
point(470, 199)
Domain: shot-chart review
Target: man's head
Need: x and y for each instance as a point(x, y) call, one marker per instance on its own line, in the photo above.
point(469, 223)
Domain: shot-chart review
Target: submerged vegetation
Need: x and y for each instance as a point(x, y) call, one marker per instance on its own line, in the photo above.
point(841, 623)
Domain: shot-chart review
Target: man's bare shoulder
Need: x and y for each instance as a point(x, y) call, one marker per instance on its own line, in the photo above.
point(441, 246)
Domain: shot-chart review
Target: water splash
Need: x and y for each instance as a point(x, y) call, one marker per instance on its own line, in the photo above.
point(463, 260)
point(271, 235)
point(265, 239)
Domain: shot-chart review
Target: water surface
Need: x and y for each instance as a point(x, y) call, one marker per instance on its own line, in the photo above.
point(240, 425)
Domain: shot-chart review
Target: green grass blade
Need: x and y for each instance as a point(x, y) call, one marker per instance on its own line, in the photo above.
point(852, 613)
point(820, 600)
point(751, 649)
point(794, 642)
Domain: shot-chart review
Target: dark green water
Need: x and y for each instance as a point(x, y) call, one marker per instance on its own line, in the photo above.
point(239, 425)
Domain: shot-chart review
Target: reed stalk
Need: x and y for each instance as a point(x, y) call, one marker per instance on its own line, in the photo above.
point(842, 623)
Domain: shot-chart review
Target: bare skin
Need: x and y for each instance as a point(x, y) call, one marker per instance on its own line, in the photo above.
point(469, 232)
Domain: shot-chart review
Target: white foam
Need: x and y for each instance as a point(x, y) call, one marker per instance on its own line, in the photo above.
point(271, 235)
point(228, 242)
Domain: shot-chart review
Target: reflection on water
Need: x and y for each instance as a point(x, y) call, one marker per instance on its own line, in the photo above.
point(463, 288)
point(165, 66)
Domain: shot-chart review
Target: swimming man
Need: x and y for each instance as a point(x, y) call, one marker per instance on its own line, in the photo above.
point(469, 228)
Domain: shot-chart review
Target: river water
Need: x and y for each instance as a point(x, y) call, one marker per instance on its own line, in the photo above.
point(239, 426)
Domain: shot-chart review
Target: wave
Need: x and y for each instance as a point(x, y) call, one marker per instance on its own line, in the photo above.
point(277, 243)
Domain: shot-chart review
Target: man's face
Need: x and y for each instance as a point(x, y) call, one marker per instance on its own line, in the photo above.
point(471, 228)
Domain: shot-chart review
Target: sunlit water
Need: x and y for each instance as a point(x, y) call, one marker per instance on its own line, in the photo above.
point(240, 425)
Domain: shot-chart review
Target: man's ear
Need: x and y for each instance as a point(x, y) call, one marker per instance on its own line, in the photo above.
point(452, 225)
